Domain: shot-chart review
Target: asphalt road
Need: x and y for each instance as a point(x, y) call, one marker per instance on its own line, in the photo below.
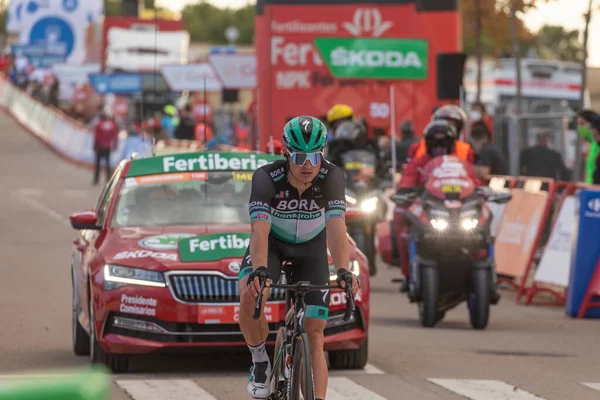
point(526, 352)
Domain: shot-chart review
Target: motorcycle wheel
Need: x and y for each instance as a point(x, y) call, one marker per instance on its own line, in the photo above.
point(479, 299)
point(430, 293)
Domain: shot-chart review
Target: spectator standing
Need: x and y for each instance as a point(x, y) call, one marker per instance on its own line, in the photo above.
point(106, 134)
point(489, 158)
point(584, 119)
point(187, 126)
point(479, 116)
point(135, 143)
point(541, 161)
point(595, 128)
point(407, 130)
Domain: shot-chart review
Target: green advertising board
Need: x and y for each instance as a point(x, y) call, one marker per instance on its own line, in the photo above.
point(85, 384)
point(374, 58)
point(199, 162)
point(213, 247)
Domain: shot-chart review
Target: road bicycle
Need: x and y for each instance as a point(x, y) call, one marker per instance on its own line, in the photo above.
point(292, 367)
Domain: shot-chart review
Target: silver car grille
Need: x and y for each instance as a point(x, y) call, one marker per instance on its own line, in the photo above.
point(209, 288)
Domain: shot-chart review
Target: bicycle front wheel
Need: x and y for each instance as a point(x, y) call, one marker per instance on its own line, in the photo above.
point(302, 377)
point(278, 379)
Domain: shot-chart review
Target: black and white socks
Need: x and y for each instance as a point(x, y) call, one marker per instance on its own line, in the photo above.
point(259, 353)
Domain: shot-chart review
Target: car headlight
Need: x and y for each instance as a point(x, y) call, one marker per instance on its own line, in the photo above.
point(439, 224)
point(369, 205)
point(133, 276)
point(352, 267)
point(469, 223)
point(350, 199)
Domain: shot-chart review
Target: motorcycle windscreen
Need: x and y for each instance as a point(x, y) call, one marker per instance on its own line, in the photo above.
point(359, 166)
point(448, 178)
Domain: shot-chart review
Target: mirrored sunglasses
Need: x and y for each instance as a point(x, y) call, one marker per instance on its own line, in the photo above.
point(313, 158)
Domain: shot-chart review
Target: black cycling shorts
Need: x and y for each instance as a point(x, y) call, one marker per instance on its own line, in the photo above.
point(310, 264)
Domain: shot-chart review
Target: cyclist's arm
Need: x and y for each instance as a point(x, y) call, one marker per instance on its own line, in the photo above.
point(335, 212)
point(263, 191)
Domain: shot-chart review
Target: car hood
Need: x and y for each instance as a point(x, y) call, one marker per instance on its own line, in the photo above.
point(156, 248)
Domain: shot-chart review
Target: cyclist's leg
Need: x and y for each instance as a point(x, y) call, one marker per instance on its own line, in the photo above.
point(315, 269)
point(256, 331)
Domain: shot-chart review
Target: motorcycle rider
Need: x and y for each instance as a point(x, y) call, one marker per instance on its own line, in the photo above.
point(339, 113)
point(440, 138)
point(458, 118)
point(351, 136)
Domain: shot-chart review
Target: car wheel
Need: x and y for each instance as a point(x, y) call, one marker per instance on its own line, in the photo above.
point(81, 339)
point(350, 359)
point(117, 363)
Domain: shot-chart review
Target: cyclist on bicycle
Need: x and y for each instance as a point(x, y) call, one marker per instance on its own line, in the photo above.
point(297, 206)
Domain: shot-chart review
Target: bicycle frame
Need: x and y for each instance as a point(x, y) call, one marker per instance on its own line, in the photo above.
point(295, 326)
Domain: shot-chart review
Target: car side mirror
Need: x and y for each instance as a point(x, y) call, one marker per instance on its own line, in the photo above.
point(86, 219)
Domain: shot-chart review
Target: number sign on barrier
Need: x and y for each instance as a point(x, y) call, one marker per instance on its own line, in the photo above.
point(521, 222)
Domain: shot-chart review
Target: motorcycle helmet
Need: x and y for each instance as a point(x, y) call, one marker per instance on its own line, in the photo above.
point(452, 113)
point(440, 137)
point(339, 113)
point(347, 131)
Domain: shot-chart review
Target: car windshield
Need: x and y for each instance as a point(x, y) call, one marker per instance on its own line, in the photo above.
point(194, 198)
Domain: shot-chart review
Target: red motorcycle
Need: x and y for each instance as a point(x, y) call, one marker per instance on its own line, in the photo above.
point(451, 251)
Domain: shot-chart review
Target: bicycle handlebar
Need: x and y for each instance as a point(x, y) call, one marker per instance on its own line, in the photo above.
point(308, 287)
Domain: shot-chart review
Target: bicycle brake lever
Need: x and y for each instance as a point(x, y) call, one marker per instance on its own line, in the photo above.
point(350, 307)
point(258, 305)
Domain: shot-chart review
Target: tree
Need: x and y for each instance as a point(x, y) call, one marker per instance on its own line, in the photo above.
point(557, 43)
point(207, 23)
point(112, 7)
point(495, 28)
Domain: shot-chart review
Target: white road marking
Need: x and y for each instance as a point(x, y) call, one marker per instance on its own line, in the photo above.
point(595, 386)
point(164, 389)
point(369, 369)
point(29, 192)
point(345, 389)
point(372, 370)
point(43, 208)
point(475, 389)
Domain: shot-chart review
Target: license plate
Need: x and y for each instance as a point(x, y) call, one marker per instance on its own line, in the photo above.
point(230, 314)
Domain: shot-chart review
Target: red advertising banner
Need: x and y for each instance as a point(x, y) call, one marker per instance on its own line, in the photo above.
point(312, 55)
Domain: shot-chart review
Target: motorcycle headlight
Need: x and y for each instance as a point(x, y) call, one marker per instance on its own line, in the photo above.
point(369, 205)
point(469, 223)
point(133, 276)
point(439, 224)
point(350, 199)
point(352, 267)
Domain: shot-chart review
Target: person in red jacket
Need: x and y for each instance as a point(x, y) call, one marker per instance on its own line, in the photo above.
point(106, 134)
point(440, 139)
point(458, 118)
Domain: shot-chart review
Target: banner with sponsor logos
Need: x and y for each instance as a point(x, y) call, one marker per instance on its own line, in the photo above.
point(364, 48)
point(59, 25)
point(236, 71)
point(200, 162)
point(585, 251)
point(214, 247)
point(192, 77)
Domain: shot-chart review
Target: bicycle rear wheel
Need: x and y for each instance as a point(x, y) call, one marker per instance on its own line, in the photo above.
point(302, 377)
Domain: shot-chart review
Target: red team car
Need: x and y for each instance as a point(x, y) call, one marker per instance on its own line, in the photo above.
point(155, 266)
